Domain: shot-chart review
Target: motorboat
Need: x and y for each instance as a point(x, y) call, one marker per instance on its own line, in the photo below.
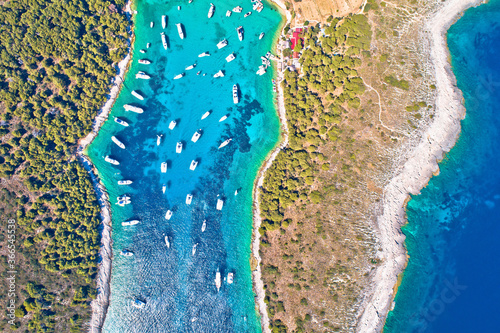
point(206, 114)
point(164, 40)
point(230, 57)
point(137, 303)
point(178, 76)
point(164, 167)
point(217, 280)
point(261, 35)
point(131, 222)
point(189, 198)
point(179, 30)
point(239, 30)
point(112, 161)
point(132, 108)
point(236, 97)
point(152, 24)
point(222, 44)
point(225, 143)
point(172, 124)
point(158, 139)
point(203, 225)
point(236, 193)
point(220, 203)
point(164, 21)
point(196, 136)
point(167, 242)
point(168, 214)
point(136, 95)
point(121, 122)
point(118, 142)
point(163, 188)
point(193, 165)
point(193, 251)
point(142, 75)
point(228, 13)
point(204, 54)
point(178, 7)
point(190, 67)
point(219, 74)
point(178, 147)
point(237, 9)
point(127, 253)
point(223, 118)
point(230, 277)
point(142, 51)
point(247, 14)
point(144, 61)
point(211, 10)
point(148, 45)
point(125, 182)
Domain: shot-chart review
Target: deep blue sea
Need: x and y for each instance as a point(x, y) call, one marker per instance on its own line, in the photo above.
point(452, 282)
point(177, 286)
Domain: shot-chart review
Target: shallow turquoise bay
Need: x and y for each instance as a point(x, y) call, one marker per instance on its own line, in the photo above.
point(179, 288)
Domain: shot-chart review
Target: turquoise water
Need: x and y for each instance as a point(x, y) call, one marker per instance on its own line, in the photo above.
point(179, 288)
point(451, 283)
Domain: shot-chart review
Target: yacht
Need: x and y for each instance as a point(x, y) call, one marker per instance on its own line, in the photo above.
point(121, 122)
point(138, 303)
point(194, 249)
point(220, 203)
point(193, 165)
point(172, 124)
point(142, 75)
point(163, 21)
point(118, 142)
point(230, 277)
point(261, 35)
point(247, 14)
point(132, 108)
point(127, 253)
point(164, 40)
point(262, 70)
point(206, 114)
point(179, 30)
point(196, 135)
point(178, 76)
point(132, 222)
point(230, 57)
point(225, 143)
point(164, 167)
point(167, 242)
point(219, 74)
point(240, 32)
point(237, 9)
point(204, 226)
point(168, 215)
point(158, 139)
point(211, 10)
point(163, 188)
point(204, 54)
point(136, 95)
point(124, 182)
point(189, 198)
point(144, 61)
point(190, 67)
point(221, 44)
point(228, 13)
point(217, 280)
point(178, 147)
point(112, 161)
point(222, 118)
point(236, 97)
point(152, 24)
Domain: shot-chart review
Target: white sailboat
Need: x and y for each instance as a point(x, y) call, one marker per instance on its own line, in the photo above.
point(164, 40)
point(194, 249)
point(163, 188)
point(196, 136)
point(225, 143)
point(168, 214)
point(193, 165)
point(220, 203)
point(178, 147)
point(164, 167)
point(163, 21)
point(217, 280)
point(204, 226)
point(172, 125)
point(206, 114)
point(158, 139)
point(189, 199)
point(223, 118)
point(167, 242)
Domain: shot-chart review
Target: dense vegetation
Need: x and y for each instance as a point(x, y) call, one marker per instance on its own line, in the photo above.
point(56, 64)
point(302, 189)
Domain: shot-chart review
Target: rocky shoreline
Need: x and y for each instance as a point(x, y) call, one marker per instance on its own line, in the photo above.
point(419, 167)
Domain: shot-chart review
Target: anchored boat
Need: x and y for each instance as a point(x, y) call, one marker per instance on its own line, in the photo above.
point(178, 76)
point(193, 165)
point(132, 108)
point(206, 114)
point(230, 57)
point(136, 95)
point(172, 125)
point(239, 30)
point(144, 61)
point(219, 74)
point(142, 75)
point(121, 122)
point(124, 182)
point(118, 142)
point(236, 97)
point(221, 44)
point(112, 161)
point(211, 10)
point(179, 30)
point(196, 136)
point(220, 203)
point(178, 147)
point(163, 167)
point(164, 21)
point(169, 214)
point(225, 143)
point(164, 40)
point(189, 199)
point(132, 222)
